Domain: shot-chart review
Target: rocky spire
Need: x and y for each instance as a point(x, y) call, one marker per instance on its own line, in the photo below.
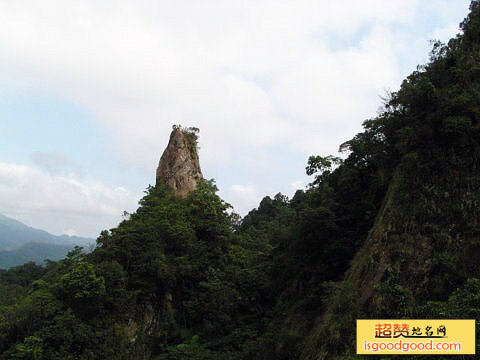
point(179, 166)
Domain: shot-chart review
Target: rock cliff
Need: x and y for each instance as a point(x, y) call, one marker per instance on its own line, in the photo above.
point(179, 166)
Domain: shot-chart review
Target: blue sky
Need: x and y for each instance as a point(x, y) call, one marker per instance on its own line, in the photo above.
point(38, 124)
point(89, 92)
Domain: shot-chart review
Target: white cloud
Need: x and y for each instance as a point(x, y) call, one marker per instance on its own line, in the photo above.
point(298, 185)
point(445, 32)
point(58, 202)
point(251, 75)
point(55, 164)
point(243, 196)
point(141, 66)
point(247, 190)
point(70, 232)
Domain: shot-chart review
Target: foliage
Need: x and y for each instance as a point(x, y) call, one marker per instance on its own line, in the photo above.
point(191, 134)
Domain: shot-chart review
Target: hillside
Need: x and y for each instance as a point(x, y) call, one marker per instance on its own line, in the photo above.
point(423, 249)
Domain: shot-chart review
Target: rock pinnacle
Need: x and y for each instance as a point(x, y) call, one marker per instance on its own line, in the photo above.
point(179, 166)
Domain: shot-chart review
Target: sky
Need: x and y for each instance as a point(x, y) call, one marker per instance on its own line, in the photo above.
point(89, 91)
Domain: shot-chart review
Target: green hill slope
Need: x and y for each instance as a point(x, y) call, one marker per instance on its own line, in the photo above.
point(425, 242)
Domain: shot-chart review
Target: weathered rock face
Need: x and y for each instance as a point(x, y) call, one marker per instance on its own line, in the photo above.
point(179, 167)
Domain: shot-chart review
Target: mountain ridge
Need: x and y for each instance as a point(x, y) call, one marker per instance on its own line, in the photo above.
point(20, 243)
point(14, 233)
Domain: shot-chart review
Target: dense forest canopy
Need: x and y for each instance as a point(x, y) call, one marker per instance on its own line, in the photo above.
point(393, 230)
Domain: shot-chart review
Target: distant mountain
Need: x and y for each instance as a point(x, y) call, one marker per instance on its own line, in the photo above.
point(36, 252)
point(20, 243)
point(14, 234)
